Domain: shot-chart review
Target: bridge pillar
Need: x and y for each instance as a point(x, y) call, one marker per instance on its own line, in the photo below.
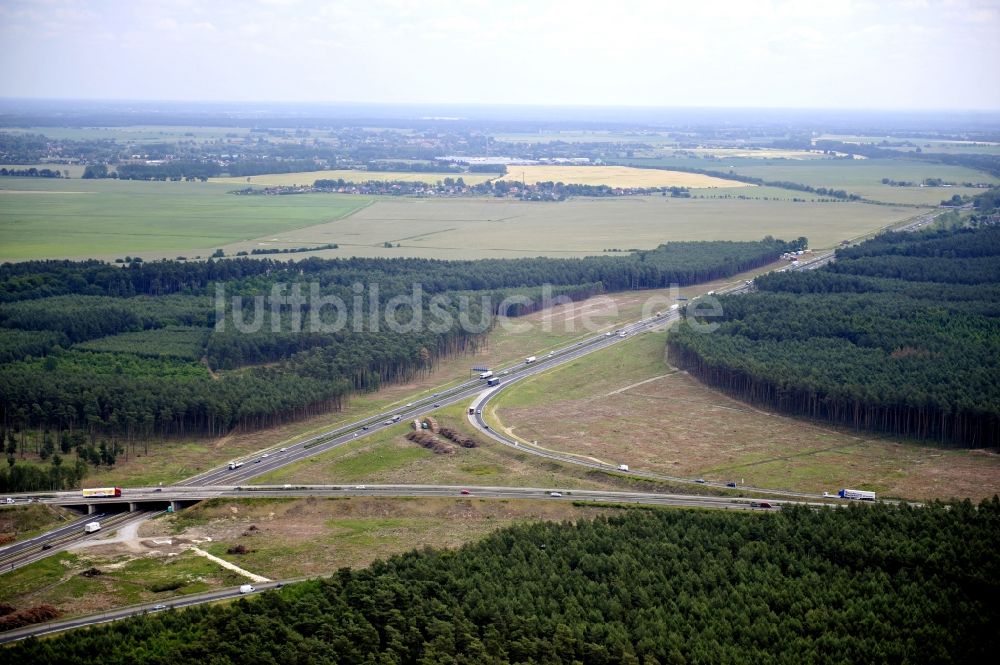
point(132, 506)
point(91, 509)
point(174, 507)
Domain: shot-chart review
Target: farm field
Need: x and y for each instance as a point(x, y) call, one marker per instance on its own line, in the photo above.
point(354, 176)
point(614, 176)
point(471, 228)
point(863, 177)
point(627, 405)
point(289, 538)
point(925, 144)
point(59, 218)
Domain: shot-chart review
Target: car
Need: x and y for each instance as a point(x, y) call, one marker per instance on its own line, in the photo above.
point(486, 426)
point(264, 455)
point(505, 372)
point(360, 487)
point(159, 606)
point(730, 484)
point(158, 489)
point(555, 494)
point(259, 460)
point(388, 422)
point(465, 492)
point(364, 427)
point(409, 404)
point(435, 394)
point(47, 546)
point(283, 450)
point(436, 405)
point(701, 481)
point(607, 334)
point(279, 585)
point(479, 412)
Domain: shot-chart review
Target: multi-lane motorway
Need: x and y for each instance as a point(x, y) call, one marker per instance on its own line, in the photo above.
point(223, 481)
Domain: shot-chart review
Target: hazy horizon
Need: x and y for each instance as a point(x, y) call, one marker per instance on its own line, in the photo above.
point(905, 55)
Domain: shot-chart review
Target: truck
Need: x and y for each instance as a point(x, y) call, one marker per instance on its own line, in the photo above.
point(235, 465)
point(91, 527)
point(485, 375)
point(102, 491)
point(529, 360)
point(472, 410)
point(396, 418)
point(856, 495)
point(623, 467)
point(495, 381)
point(247, 588)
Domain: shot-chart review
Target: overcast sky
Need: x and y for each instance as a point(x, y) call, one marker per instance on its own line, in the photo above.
point(916, 54)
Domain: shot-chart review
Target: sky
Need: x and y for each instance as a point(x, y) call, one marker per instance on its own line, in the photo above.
point(886, 54)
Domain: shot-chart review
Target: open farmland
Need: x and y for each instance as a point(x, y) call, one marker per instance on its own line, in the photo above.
point(863, 177)
point(501, 228)
point(627, 405)
point(352, 176)
point(614, 176)
point(58, 218)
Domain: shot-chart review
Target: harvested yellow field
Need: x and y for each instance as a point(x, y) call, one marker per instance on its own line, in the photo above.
point(615, 176)
point(309, 177)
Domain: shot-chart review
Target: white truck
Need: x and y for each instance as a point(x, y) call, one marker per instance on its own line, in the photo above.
point(623, 467)
point(857, 495)
point(396, 418)
point(485, 375)
point(529, 360)
point(235, 465)
point(247, 588)
point(91, 527)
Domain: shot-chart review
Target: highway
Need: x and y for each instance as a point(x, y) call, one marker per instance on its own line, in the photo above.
point(225, 482)
point(58, 540)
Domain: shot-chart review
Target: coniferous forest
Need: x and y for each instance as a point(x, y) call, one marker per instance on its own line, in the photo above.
point(129, 353)
point(862, 584)
point(899, 335)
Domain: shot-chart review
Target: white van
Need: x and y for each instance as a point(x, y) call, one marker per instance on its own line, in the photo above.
point(247, 588)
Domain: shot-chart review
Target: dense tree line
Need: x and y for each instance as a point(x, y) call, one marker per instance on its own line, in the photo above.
point(871, 584)
point(900, 335)
point(676, 262)
point(32, 172)
point(136, 351)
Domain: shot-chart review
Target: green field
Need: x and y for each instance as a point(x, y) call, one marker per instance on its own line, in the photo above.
point(501, 228)
point(863, 177)
point(42, 218)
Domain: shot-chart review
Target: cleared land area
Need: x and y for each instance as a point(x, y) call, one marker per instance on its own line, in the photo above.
point(627, 405)
point(354, 176)
point(58, 218)
point(469, 228)
point(281, 538)
point(614, 176)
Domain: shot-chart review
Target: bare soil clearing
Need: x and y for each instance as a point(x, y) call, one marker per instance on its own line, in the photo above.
point(629, 406)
